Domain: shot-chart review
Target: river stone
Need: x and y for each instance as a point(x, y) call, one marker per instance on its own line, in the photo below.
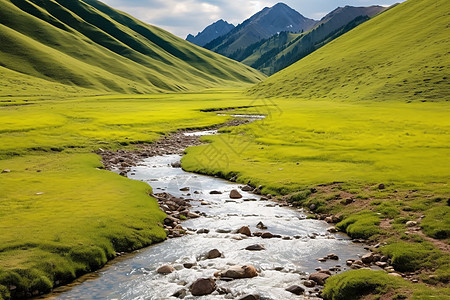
point(309, 283)
point(332, 230)
point(185, 189)
point(367, 258)
point(180, 294)
point(250, 297)
point(215, 193)
point(189, 265)
point(203, 286)
point(256, 247)
point(267, 235)
point(166, 269)
point(245, 230)
point(247, 188)
point(411, 223)
point(296, 289)
point(319, 277)
point(333, 256)
point(236, 272)
point(261, 225)
point(234, 194)
point(214, 253)
point(200, 231)
point(176, 164)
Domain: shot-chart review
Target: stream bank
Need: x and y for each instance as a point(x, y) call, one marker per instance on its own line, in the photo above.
point(226, 227)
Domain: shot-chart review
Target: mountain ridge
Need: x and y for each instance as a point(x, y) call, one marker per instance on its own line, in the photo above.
point(88, 45)
point(211, 32)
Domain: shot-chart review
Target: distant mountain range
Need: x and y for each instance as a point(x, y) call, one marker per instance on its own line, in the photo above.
point(278, 36)
point(210, 33)
point(84, 44)
point(262, 25)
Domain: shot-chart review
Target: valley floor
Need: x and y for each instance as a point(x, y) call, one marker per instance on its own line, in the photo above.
point(375, 166)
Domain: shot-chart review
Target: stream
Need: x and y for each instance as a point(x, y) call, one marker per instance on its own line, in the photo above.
point(286, 261)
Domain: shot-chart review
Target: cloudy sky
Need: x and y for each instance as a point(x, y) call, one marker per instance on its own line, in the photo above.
point(181, 17)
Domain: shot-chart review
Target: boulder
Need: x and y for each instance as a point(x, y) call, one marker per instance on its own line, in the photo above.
point(200, 231)
point(234, 194)
point(185, 189)
point(166, 269)
point(236, 272)
point(203, 286)
point(245, 230)
point(215, 193)
point(6, 171)
point(381, 186)
point(296, 289)
point(319, 277)
point(256, 247)
point(367, 258)
point(214, 253)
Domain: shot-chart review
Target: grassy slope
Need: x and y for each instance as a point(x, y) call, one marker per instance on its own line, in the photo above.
point(399, 54)
point(76, 44)
point(59, 215)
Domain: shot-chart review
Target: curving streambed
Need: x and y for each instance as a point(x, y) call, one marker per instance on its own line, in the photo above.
point(286, 261)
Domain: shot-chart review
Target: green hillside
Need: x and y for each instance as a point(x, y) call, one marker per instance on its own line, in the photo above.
point(401, 54)
point(83, 45)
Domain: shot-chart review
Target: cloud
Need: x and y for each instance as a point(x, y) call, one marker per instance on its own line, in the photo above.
point(182, 17)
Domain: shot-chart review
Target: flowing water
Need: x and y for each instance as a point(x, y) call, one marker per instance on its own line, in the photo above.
point(285, 262)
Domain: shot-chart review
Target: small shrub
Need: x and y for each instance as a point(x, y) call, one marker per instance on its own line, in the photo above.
point(42, 284)
point(437, 222)
point(408, 257)
point(357, 283)
point(362, 225)
point(92, 257)
point(300, 197)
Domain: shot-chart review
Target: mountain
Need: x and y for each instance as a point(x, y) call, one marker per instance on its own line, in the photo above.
point(284, 49)
point(260, 26)
point(401, 54)
point(210, 33)
point(84, 45)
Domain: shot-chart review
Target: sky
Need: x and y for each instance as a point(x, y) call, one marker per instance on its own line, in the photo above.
point(182, 17)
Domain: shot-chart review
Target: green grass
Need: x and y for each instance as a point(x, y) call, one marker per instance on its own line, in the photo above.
point(60, 217)
point(398, 55)
point(302, 144)
point(409, 257)
point(358, 283)
point(82, 46)
point(362, 225)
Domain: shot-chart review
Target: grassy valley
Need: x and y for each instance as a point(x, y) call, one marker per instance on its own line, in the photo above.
point(357, 130)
